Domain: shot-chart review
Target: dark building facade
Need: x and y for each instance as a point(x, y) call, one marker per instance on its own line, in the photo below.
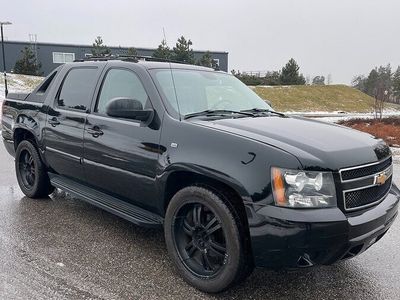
point(51, 55)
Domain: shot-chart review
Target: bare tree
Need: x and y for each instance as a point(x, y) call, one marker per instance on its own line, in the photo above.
point(382, 89)
point(329, 79)
point(381, 95)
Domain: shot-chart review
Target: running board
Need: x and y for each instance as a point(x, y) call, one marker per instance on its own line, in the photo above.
point(111, 204)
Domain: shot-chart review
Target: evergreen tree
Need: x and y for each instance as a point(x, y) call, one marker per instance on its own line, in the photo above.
point(272, 78)
point(206, 60)
point(162, 51)
point(318, 80)
point(28, 64)
point(99, 49)
point(396, 83)
point(371, 82)
point(360, 83)
point(290, 74)
point(132, 52)
point(183, 52)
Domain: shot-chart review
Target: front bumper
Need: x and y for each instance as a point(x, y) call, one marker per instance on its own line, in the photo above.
point(292, 238)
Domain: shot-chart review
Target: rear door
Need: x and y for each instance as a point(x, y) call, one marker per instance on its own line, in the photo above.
point(63, 138)
point(121, 155)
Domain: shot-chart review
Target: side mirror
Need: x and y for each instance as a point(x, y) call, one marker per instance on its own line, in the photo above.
point(268, 102)
point(129, 109)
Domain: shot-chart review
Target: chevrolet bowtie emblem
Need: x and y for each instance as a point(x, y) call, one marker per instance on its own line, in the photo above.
point(381, 178)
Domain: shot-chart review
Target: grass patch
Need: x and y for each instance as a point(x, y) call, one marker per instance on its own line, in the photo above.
point(328, 98)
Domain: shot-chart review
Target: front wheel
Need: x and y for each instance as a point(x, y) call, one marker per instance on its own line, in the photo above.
point(31, 172)
point(204, 240)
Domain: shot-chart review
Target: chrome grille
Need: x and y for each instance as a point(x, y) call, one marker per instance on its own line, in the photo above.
point(366, 185)
point(362, 171)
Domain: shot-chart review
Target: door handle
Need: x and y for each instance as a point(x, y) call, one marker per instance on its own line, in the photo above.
point(95, 131)
point(54, 121)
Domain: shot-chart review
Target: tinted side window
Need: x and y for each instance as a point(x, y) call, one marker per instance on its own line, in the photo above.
point(76, 91)
point(120, 83)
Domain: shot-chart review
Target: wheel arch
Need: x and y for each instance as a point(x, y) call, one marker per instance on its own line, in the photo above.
point(25, 127)
point(22, 133)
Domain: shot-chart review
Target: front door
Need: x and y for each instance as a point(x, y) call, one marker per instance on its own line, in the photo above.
point(63, 136)
point(120, 155)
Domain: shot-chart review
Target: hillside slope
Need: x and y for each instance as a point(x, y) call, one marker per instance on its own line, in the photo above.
point(318, 98)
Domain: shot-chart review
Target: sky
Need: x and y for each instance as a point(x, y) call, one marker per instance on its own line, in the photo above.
point(337, 37)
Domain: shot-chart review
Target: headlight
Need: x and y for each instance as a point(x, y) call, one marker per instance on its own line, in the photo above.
point(296, 188)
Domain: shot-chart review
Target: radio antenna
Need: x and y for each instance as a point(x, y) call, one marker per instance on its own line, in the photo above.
point(172, 75)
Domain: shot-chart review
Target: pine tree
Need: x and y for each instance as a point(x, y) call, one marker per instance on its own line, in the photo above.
point(371, 82)
point(182, 51)
point(318, 80)
point(206, 60)
point(99, 49)
point(396, 83)
point(132, 52)
point(290, 74)
point(162, 51)
point(28, 64)
point(359, 82)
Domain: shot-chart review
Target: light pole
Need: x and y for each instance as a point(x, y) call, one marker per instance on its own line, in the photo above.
point(4, 55)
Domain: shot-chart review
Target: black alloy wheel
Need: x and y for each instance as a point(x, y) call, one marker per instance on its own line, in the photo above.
point(206, 239)
point(200, 240)
point(31, 172)
point(27, 169)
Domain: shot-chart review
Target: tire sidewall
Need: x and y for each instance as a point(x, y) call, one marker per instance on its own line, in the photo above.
point(229, 272)
point(36, 187)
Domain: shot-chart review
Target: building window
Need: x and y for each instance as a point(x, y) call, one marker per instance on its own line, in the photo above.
point(216, 61)
point(62, 58)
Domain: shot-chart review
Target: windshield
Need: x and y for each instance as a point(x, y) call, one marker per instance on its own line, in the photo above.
point(198, 91)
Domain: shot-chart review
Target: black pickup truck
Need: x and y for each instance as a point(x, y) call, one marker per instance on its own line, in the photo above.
point(234, 183)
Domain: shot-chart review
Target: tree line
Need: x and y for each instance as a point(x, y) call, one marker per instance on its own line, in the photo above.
point(381, 83)
point(288, 75)
point(181, 52)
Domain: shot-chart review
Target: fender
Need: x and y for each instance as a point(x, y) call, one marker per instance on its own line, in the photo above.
point(19, 115)
point(206, 172)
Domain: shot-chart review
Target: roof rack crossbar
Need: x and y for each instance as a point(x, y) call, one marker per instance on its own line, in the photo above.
point(133, 58)
point(125, 57)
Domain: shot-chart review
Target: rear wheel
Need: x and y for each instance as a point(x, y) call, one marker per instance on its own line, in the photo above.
point(204, 240)
point(31, 172)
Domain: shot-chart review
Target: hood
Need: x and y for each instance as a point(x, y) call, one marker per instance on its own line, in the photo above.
point(317, 145)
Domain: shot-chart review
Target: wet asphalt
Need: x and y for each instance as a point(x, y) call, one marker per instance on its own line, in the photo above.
point(63, 248)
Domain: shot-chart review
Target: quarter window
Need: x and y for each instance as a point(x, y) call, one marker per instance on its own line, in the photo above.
point(120, 83)
point(77, 89)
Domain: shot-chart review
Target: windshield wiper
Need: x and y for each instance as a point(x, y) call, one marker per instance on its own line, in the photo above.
point(213, 112)
point(263, 110)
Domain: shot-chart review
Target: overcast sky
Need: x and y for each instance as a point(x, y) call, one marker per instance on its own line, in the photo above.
point(337, 37)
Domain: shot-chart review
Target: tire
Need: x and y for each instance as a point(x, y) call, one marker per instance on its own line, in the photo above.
point(31, 172)
point(189, 237)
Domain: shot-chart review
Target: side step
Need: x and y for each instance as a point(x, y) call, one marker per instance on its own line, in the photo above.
point(116, 206)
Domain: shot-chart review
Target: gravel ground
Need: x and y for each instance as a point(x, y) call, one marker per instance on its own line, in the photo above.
point(63, 248)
